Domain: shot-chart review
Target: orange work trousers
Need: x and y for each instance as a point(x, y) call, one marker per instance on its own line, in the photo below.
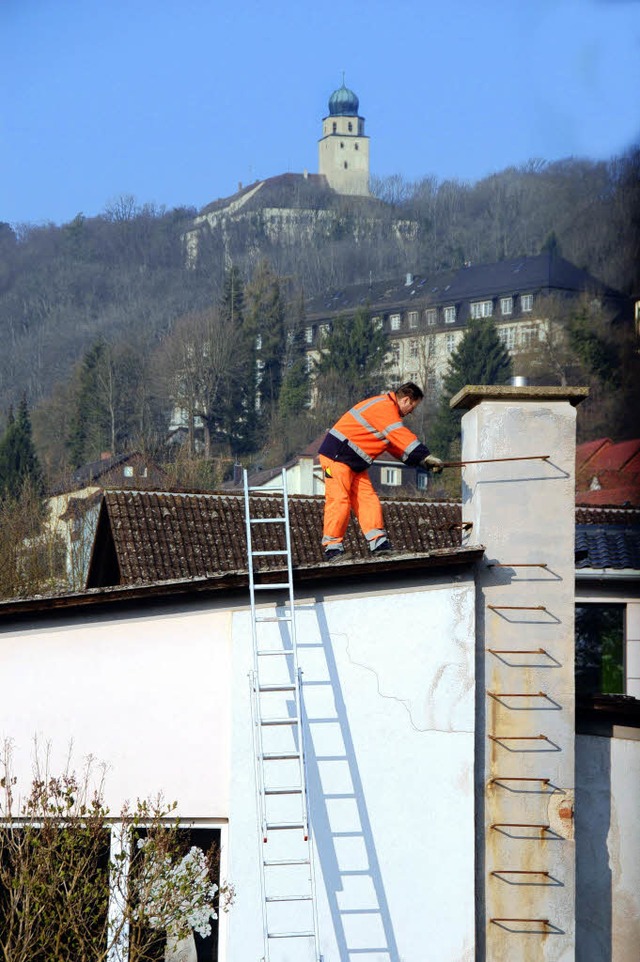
point(345, 491)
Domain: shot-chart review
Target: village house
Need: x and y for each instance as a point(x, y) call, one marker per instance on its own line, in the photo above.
point(464, 802)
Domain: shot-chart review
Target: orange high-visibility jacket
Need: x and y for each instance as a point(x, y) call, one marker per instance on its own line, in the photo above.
point(371, 427)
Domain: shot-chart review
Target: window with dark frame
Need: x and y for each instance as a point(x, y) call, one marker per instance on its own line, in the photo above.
point(599, 658)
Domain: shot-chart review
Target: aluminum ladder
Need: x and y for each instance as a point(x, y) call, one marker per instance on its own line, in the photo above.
point(288, 891)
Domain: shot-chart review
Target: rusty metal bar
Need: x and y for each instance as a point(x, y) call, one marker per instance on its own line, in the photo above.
point(517, 694)
point(528, 457)
point(543, 828)
point(533, 564)
point(518, 778)
point(517, 607)
point(518, 738)
point(517, 651)
point(538, 921)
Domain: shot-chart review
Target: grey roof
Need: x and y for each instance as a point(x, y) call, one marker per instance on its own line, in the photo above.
point(520, 275)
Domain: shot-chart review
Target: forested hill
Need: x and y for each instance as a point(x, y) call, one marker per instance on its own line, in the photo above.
point(123, 275)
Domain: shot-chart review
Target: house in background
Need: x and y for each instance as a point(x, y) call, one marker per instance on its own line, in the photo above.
point(426, 316)
point(446, 754)
point(390, 476)
point(73, 507)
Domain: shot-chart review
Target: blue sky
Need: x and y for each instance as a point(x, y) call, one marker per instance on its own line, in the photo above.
point(177, 101)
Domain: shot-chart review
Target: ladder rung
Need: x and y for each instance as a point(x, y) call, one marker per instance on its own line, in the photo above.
point(263, 554)
point(270, 862)
point(291, 790)
point(265, 491)
point(274, 651)
point(267, 520)
point(272, 587)
point(292, 935)
point(289, 720)
point(275, 618)
point(283, 826)
point(279, 756)
point(288, 898)
point(287, 687)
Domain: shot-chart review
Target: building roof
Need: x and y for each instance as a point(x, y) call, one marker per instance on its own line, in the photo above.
point(521, 275)
point(147, 537)
point(343, 103)
point(105, 471)
point(608, 473)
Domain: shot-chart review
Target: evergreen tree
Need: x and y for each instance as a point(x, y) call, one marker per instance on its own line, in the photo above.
point(264, 322)
point(238, 409)
point(480, 358)
point(18, 459)
point(90, 432)
point(353, 361)
point(232, 300)
point(295, 390)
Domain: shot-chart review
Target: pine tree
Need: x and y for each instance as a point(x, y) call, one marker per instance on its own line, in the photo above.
point(353, 362)
point(18, 459)
point(265, 310)
point(295, 389)
point(480, 358)
point(90, 428)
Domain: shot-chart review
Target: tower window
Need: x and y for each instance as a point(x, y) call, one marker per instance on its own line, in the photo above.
point(345, 165)
point(341, 144)
point(335, 126)
point(350, 125)
point(356, 146)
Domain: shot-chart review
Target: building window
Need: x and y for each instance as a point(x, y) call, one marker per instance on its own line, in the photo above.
point(350, 126)
point(258, 342)
point(413, 318)
point(449, 315)
point(422, 481)
point(432, 386)
point(355, 146)
point(451, 343)
point(526, 303)
point(128, 471)
point(394, 353)
point(506, 305)
point(413, 348)
point(376, 322)
point(341, 144)
point(528, 334)
point(431, 315)
point(391, 476)
point(394, 322)
point(324, 330)
point(308, 335)
point(508, 337)
point(432, 344)
point(335, 127)
point(481, 309)
point(345, 165)
point(600, 649)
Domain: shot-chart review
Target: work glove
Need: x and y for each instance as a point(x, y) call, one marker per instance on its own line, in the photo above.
point(431, 463)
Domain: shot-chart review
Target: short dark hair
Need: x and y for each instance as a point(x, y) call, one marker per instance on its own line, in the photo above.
point(410, 390)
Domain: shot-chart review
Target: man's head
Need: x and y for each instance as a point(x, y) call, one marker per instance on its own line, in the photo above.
point(408, 396)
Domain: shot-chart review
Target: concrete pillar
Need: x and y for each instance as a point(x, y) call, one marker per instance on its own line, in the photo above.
point(523, 512)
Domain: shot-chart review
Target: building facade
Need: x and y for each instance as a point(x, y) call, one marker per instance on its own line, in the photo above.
point(425, 317)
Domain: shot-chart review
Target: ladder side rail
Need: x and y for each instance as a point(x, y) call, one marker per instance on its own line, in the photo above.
point(304, 732)
point(295, 665)
point(261, 815)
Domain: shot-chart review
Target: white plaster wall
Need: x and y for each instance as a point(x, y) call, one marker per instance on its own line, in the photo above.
point(398, 723)
point(147, 695)
point(608, 848)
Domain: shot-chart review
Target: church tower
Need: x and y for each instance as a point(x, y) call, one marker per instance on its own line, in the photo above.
point(343, 149)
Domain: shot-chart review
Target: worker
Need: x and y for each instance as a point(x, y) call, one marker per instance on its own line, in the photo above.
point(370, 428)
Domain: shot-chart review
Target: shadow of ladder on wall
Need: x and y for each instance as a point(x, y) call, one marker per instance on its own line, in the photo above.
point(288, 893)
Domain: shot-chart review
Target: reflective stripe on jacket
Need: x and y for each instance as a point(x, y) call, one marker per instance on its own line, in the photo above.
point(371, 427)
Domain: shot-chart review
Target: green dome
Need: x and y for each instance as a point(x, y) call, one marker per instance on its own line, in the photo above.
point(343, 103)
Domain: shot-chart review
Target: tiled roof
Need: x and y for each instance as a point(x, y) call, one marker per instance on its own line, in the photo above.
point(154, 536)
point(607, 546)
point(612, 469)
point(149, 537)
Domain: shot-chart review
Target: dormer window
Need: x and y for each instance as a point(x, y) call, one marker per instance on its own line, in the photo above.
point(449, 315)
point(526, 303)
point(506, 305)
point(481, 309)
